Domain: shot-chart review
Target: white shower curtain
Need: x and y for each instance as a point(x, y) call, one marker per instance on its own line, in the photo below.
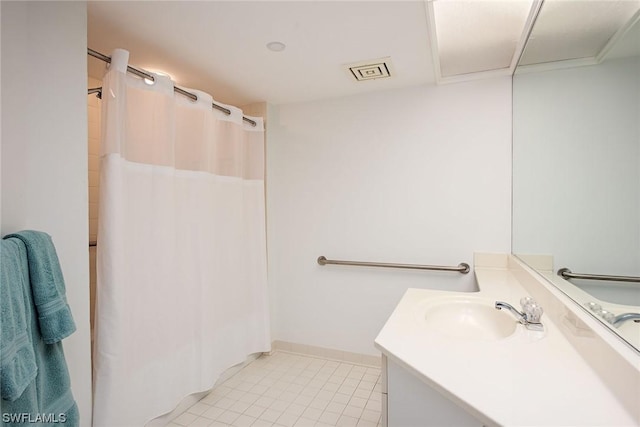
point(181, 292)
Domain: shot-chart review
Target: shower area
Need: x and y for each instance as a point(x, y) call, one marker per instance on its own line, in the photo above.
point(176, 240)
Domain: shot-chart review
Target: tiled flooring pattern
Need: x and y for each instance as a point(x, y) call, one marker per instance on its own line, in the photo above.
point(288, 390)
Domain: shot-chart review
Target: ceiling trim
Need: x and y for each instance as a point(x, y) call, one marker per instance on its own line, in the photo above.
point(519, 49)
point(433, 39)
point(581, 62)
point(528, 28)
point(617, 37)
point(557, 65)
point(478, 75)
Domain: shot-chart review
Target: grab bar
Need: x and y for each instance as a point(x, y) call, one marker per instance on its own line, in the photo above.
point(565, 273)
point(462, 267)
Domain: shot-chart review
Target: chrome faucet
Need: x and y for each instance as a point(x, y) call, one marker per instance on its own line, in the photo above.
point(529, 316)
point(621, 318)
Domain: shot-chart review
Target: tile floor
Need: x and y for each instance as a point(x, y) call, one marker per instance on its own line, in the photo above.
point(286, 389)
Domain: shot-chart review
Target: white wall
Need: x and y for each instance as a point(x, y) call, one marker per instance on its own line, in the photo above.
point(576, 166)
point(44, 151)
point(418, 175)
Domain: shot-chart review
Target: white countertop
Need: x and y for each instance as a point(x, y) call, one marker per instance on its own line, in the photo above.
point(528, 378)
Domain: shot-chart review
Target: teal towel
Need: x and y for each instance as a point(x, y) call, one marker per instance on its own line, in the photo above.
point(17, 360)
point(47, 401)
point(47, 286)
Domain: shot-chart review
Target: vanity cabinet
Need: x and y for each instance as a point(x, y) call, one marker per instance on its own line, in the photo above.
point(410, 402)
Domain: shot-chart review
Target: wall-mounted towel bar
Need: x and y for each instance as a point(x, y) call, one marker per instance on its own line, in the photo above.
point(462, 267)
point(565, 273)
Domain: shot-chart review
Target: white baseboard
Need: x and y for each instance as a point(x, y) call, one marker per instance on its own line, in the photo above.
point(327, 353)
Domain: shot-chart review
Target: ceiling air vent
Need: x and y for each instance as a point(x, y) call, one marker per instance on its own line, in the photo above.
point(370, 70)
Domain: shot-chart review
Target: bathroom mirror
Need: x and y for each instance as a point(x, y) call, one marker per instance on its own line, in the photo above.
point(576, 154)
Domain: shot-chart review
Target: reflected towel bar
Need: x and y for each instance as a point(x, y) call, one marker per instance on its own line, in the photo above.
point(565, 273)
point(462, 267)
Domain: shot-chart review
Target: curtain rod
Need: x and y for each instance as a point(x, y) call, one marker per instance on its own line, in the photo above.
point(146, 75)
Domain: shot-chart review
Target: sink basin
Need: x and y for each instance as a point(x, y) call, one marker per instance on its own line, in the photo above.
point(466, 318)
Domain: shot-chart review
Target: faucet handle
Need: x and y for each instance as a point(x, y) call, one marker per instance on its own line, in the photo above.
point(532, 310)
point(526, 301)
point(534, 313)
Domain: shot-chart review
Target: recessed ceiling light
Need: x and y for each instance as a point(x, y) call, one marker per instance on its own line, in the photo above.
point(276, 46)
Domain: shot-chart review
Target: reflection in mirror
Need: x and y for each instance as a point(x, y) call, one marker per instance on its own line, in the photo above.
point(576, 156)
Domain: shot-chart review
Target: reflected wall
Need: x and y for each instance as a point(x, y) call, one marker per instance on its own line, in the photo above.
point(576, 163)
point(576, 177)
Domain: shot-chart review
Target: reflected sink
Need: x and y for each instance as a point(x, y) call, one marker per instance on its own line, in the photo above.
point(466, 318)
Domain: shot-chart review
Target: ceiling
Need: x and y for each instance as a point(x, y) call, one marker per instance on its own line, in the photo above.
point(220, 47)
point(566, 30)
